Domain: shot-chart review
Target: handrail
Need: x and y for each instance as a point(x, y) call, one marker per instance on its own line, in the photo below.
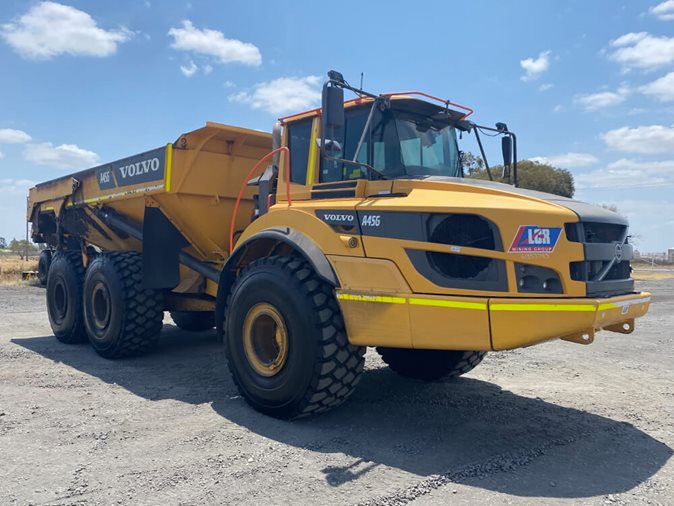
point(245, 183)
point(400, 93)
point(441, 100)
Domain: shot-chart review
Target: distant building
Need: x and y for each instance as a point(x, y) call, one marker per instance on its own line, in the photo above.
point(670, 255)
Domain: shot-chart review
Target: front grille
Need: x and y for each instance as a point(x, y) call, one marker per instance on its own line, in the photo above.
point(592, 232)
point(606, 269)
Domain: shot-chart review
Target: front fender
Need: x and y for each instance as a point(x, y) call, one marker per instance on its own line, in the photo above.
point(267, 239)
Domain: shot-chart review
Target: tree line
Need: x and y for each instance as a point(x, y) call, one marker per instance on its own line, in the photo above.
point(531, 175)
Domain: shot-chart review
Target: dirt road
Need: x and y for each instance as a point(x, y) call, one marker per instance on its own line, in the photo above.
point(558, 423)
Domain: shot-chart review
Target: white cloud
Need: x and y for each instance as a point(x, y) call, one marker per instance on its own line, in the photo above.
point(192, 68)
point(664, 10)
point(642, 50)
point(546, 87)
point(662, 89)
point(11, 136)
point(189, 70)
point(49, 29)
point(642, 139)
point(65, 156)
point(534, 67)
point(229, 84)
point(15, 186)
point(652, 234)
point(602, 99)
point(286, 94)
point(213, 43)
point(627, 173)
point(558, 108)
point(567, 160)
point(2, 155)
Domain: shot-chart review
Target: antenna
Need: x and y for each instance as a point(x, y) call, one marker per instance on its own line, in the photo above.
point(361, 80)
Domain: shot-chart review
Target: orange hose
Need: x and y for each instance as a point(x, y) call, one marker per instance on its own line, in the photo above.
point(245, 183)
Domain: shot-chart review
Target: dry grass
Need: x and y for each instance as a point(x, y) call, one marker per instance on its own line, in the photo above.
point(11, 267)
point(653, 275)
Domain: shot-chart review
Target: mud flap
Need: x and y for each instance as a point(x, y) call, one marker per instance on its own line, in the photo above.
point(162, 243)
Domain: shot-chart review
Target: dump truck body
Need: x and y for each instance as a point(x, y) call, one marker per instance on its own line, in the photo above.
point(428, 261)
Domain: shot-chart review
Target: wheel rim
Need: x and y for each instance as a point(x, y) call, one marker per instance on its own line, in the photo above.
point(60, 299)
point(101, 306)
point(265, 339)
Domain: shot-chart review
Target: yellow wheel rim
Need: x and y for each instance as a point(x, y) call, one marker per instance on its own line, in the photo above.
point(265, 339)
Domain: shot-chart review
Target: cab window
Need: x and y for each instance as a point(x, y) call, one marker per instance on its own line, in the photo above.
point(299, 142)
point(347, 138)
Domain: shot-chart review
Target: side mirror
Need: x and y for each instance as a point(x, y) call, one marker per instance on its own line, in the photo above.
point(333, 107)
point(507, 149)
point(330, 145)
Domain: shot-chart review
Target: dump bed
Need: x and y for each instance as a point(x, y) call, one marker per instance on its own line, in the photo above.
point(193, 182)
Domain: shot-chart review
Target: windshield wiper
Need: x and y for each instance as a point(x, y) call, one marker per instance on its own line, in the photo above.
point(370, 168)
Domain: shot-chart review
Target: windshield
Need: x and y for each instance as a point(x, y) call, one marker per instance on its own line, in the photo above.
point(399, 144)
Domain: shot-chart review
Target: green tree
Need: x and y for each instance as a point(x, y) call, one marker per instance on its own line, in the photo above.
point(471, 163)
point(21, 247)
point(3, 243)
point(535, 176)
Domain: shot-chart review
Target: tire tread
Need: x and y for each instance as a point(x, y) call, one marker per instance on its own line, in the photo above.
point(338, 364)
point(430, 365)
point(143, 311)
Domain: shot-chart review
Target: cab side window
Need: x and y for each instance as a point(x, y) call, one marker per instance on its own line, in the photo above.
point(347, 137)
point(299, 142)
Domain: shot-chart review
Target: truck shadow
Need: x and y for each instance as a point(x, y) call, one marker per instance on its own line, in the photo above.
point(468, 431)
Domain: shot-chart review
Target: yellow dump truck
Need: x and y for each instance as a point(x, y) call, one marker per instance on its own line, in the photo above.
point(348, 226)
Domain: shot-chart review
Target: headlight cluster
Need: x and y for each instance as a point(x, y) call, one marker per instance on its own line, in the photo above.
point(536, 279)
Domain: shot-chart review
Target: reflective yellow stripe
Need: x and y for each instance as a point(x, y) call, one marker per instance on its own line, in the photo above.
point(312, 153)
point(371, 298)
point(543, 307)
point(169, 164)
point(103, 198)
point(481, 306)
point(448, 303)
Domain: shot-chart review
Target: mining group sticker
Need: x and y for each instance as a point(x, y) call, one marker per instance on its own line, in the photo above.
point(533, 239)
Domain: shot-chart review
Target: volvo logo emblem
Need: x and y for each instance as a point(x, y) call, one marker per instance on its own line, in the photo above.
point(618, 252)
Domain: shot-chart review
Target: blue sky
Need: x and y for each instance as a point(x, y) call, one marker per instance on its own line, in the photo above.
point(587, 86)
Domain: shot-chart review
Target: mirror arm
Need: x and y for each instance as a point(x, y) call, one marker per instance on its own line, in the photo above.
point(365, 130)
point(344, 85)
point(484, 156)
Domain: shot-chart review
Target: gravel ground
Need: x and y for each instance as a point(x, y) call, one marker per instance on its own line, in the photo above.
point(558, 423)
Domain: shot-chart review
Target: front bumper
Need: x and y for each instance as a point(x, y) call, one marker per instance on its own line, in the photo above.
point(524, 322)
point(471, 323)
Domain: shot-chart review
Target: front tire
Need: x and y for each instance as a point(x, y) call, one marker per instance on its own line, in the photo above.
point(430, 365)
point(64, 297)
point(286, 344)
point(122, 318)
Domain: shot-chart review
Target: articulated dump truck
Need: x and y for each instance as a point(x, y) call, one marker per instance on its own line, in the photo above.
point(348, 226)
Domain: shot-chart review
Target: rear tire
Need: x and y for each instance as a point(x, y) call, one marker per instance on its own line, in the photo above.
point(286, 344)
point(430, 365)
point(122, 318)
point(43, 267)
point(194, 321)
point(64, 297)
